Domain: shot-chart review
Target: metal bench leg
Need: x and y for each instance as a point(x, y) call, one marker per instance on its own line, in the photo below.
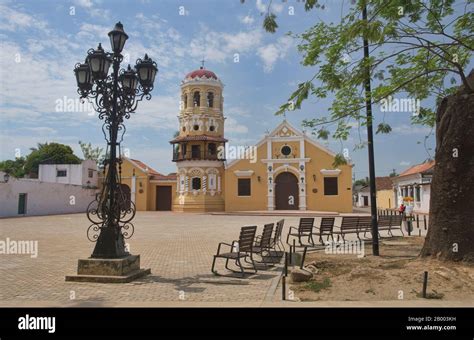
point(241, 268)
point(213, 265)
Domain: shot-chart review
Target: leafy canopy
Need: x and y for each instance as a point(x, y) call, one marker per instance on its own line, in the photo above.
point(49, 153)
point(417, 48)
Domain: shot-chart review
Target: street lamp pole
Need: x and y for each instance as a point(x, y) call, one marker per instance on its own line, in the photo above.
point(114, 97)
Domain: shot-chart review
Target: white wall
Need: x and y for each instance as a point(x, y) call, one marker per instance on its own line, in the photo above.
point(77, 174)
point(360, 199)
point(43, 198)
point(425, 190)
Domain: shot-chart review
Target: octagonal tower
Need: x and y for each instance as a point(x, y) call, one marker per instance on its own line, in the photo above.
point(198, 150)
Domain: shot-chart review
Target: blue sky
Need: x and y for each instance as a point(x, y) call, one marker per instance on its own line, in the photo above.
point(42, 41)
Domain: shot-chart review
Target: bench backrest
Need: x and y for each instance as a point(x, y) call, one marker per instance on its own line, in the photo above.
point(365, 222)
point(396, 220)
point(327, 224)
point(306, 224)
point(267, 235)
point(349, 222)
point(385, 221)
point(279, 229)
point(247, 237)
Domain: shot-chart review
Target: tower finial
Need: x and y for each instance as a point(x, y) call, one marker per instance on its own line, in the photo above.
point(202, 63)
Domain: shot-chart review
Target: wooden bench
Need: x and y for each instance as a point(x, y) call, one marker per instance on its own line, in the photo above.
point(304, 229)
point(326, 229)
point(263, 245)
point(348, 226)
point(354, 225)
point(390, 222)
point(241, 249)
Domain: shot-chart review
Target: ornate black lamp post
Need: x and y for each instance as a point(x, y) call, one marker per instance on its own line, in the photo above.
point(114, 97)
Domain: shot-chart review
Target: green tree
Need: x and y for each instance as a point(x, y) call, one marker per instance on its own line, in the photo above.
point(419, 49)
point(364, 181)
point(15, 168)
point(49, 153)
point(89, 152)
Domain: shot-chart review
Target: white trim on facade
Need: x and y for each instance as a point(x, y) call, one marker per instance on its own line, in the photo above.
point(243, 173)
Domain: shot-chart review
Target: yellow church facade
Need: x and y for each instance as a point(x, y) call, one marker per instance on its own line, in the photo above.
point(286, 170)
point(290, 172)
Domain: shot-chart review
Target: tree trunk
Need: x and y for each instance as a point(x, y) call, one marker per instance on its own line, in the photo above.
point(451, 224)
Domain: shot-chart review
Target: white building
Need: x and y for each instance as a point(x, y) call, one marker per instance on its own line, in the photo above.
point(77, 174)
point(58, 194)
point(415, 182)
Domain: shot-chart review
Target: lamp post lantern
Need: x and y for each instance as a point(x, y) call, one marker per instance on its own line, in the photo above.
point(114, 96)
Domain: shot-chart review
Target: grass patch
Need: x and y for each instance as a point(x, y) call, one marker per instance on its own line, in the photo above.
point(434, 295)
point(317, 286)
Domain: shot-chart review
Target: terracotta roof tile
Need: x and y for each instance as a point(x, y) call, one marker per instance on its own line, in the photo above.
point(146, 168)
point(383, 183)
point(199, 138)
point(419, 168)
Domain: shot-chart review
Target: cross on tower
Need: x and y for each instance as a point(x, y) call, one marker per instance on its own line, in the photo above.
point(202, 63)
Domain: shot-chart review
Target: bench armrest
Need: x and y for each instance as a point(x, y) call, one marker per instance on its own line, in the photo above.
point(227, 244)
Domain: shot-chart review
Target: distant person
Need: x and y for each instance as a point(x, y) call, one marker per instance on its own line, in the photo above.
point(402, 208)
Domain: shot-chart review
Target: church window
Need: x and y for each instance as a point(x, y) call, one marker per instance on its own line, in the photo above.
point(184, 128)
point(196, 183)
point(195, 151)
point(243, 186)
point(197, 98)
point(211, 149)
point(196, 127)
point(212, 128)
point(210, 99)
point(330, 186)
point(186, 100)
point(286, 150)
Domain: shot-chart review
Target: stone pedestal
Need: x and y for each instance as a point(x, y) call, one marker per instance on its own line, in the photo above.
point(121, 270)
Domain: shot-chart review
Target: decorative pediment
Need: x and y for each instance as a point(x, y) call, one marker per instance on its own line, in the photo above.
point(285, 130)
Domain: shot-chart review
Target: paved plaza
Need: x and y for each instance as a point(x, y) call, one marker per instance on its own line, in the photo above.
point(177, 247)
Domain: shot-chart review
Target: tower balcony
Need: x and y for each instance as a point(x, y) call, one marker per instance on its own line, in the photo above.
point(201, 147)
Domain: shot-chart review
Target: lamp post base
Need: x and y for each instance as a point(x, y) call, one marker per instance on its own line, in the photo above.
point(120, 270)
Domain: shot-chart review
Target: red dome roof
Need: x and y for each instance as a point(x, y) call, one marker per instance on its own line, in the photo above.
point(202, 72)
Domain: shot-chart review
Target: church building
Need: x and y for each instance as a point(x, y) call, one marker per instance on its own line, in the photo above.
point(286, 170)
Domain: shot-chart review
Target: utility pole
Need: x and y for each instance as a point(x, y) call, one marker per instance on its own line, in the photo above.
point(370, 140)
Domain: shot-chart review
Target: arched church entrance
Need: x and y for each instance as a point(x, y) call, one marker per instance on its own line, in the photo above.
point(286, 192)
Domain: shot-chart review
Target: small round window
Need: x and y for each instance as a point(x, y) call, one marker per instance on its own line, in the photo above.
point(286, 150)
point(212, 128)
point(196, 127)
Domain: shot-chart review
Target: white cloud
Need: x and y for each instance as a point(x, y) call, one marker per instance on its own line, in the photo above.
point(233, 126)
point(247, 20)
point(263, 7)
point(219, 46)
point(272, 52)
point(84, 3)
point(404, 163)
point(12, 20)
point(407, 129)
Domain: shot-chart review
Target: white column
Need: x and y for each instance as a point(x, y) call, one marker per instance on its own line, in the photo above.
point(204, 184)
point(218, 183)
point(133, 189)
point(270, 188)
point(269, 148)
point(302, 152)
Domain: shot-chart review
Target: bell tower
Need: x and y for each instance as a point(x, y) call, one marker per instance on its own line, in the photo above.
point(199, 148)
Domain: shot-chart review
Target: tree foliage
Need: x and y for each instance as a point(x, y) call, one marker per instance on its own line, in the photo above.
point(15, 168)
point(89, 152)
point(49, 153)
point(417, 49)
